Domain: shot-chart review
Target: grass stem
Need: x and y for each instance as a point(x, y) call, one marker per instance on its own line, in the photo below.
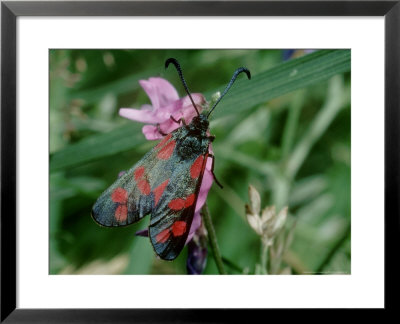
point(213, 239)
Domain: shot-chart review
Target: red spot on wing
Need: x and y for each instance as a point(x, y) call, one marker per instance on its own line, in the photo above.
point(190, 200)
point(143, 184)
point(163, 236)
point(196, 167)
point(159, 191)
point(178, 228)
point(121, 213)
point(177, 204)
point(138, 173)
point(165, 140)
point(119, 195)
point(166, 152)
point(144, 187)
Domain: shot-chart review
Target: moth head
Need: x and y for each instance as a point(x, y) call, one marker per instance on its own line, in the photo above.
point(200, 122)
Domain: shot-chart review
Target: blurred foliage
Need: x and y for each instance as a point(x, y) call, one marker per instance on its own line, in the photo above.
point(286, 132)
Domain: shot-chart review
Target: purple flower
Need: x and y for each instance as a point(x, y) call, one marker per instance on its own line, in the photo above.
point(165, 102)
point(197, 256)
point(197, 252)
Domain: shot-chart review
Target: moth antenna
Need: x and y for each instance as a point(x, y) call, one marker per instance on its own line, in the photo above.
point(178, 68)
point(235, 75)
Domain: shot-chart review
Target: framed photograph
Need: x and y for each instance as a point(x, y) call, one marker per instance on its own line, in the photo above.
point(241, 153)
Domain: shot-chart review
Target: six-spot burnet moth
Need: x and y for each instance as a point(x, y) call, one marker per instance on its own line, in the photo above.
point(165, 182)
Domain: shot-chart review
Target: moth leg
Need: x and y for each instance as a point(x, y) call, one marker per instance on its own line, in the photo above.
point(160, 131)
point(178, 121)
point(173, 119)
point(212, 171)
point(211, 138)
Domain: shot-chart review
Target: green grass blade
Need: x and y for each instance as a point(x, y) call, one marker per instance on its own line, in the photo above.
point(284, 78)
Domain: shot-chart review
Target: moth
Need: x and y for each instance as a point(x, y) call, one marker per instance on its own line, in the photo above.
point(165, 182)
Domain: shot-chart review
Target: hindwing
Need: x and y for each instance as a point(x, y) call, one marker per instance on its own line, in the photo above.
point(172, 216)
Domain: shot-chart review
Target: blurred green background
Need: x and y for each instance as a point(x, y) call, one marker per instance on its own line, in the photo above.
point(286, 132)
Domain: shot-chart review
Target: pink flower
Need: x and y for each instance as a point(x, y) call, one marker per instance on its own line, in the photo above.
point(165, 102)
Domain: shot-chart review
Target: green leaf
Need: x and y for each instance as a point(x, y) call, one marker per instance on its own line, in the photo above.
point(284, 78)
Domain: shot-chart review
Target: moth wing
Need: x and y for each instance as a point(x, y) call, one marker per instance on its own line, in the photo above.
point(131, 197)
point(173, 214)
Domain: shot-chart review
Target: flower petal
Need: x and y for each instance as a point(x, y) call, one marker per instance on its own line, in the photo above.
point(255, 200)
point(197, 258)
point(160, 92)
point(206, 184)
point(280, 220)
point(143, 115)
point(196, 223)
point(151, 132)
point(268, 214)
point(255, 223)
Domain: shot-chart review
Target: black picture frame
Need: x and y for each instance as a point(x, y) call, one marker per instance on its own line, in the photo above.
point(10, 10)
